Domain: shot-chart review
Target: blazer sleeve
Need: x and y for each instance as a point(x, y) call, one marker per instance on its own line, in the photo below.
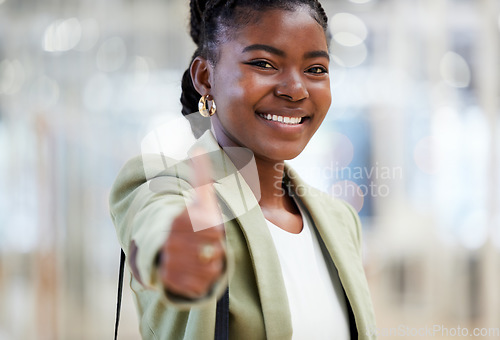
point(144, 200)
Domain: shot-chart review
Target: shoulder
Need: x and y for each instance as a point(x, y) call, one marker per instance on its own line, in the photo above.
point(341, 211)
point(151, 169)
point(154, 172)
point(155, 164)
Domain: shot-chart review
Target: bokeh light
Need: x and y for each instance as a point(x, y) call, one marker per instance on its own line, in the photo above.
point(347, 39)
point(350, 56)
point(349, 28)
point(12, 76)
point(455, 70)
point(172, 139)
point(447, 129)
point(349, 192)
point(424, 155)
point(338, 72)
point(90, 35)
point(343, 149)
point(111, 55)
point(140, 72)
point(349, 33)
point(62, 35)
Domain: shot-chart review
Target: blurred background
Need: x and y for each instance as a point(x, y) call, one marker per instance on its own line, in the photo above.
point(412, 141)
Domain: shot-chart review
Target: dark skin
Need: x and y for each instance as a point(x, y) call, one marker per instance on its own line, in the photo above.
point(258, 78)
point(280, 209)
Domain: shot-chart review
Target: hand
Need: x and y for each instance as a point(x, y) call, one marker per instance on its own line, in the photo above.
point(193, 257)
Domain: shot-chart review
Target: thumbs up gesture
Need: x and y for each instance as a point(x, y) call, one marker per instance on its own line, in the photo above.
point(193, 257)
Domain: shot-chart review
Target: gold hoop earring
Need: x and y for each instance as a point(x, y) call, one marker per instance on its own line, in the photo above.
point(203, 106)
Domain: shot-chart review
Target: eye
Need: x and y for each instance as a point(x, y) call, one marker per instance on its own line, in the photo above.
point(317, 70)
point(261, 64)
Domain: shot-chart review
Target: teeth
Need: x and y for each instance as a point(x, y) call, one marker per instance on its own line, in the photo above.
point(283, 119)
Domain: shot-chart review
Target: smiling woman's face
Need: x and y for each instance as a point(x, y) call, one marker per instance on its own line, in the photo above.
point(271, 84)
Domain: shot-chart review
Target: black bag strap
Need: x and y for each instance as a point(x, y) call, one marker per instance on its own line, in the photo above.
point(120, 290)
point(221, 314)
point(222, 317)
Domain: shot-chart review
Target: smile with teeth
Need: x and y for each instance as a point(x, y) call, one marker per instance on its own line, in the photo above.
point(282, 119)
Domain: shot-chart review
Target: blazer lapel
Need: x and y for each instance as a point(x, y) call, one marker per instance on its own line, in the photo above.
point(335, 232)
point(242, 206)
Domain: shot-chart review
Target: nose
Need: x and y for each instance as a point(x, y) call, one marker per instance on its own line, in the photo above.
point(292, 87)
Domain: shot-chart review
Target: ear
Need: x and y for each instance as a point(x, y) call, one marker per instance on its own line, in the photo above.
point(201, 70)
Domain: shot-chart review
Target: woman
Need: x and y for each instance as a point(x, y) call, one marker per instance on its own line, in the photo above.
point(289, 258)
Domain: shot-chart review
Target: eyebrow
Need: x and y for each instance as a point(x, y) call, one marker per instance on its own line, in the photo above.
point(317, 54)
point(267, 48)
point(280, 53)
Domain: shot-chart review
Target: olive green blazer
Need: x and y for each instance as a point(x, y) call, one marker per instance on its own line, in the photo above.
point(151, 190)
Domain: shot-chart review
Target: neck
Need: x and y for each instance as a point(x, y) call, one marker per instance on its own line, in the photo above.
point(270, 172)
point(271, 177)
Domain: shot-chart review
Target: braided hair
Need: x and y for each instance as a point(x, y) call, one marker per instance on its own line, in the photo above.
point(212, 22)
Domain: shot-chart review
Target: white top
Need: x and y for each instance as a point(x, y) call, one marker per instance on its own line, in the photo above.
point(315, 295)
